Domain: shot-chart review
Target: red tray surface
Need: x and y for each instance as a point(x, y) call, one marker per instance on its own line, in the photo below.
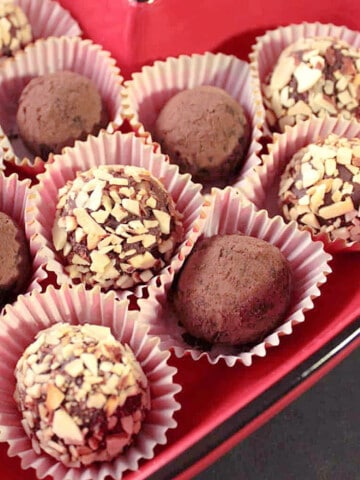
point(136, 34)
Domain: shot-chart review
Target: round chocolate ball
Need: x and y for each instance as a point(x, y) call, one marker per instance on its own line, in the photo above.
point(204, 131)
point(116, 227)
point(320, 188)
point(313, 77)
point(82, 394)
point(232, 289)
point(15, 260)
point(58, 108)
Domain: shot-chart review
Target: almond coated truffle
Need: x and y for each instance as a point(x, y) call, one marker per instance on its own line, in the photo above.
point(232, 290)
point(15, 29)
point(316, 76)
point(320, 188)
point(116, 227)
point(205, 131)
point(82, 394)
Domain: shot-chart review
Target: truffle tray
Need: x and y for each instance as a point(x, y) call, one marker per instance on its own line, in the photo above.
point(221, 405)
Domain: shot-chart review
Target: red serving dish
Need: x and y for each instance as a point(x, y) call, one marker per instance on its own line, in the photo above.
point(222, 405)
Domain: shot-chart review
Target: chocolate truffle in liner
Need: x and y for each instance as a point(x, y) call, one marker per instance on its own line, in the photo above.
point(15, 29)
point(82, 394)
point(58, 108)
point(205, 131)
point(116, 227)
point(313, 77)
point(232, 290)
point(15, 260)
point(320, 188)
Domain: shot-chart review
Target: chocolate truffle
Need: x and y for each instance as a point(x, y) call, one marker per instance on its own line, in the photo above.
point(116, 226)
point(320, 188)
point(15, 261)
point(232, 290)
point(204, 131)
point(82, 394)
point(15, 29)
point(313, 77)
point(58, 108)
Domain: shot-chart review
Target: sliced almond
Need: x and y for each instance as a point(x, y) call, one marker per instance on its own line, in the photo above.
point(306, 77)
point(131, 206)
point(282, 73)
point(59, 236)
point(115, 444)
point(143, 261)
point(111, 406)
point(164, 220)
point(66, 429)
point(87, 223)
point(344, 155)
point(99, 262)
point(90, 362)
point(300, 108)
point(96, 400)
point(310, 220)
point(74, 368)
point(100, 216)
point(337, 209)
point(54, 397)
point(127, 424)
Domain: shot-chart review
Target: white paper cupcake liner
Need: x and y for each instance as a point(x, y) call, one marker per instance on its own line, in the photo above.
point(261, 186)
point(51, 55)
point(268, 47)
point(122, 149)
point(49, 19)
point(308, 261)
point(13, 198)
point(77, 306)
point(149, 90)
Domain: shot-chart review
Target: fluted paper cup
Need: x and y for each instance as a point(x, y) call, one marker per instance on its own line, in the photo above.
point(49, 19)
point(120, 149)
point(268, 47)
point(149, 90)
point(48, 56)
point(38, 311)
point(261, 187)
point(308, 261)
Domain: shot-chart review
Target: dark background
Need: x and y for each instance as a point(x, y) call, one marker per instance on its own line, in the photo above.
point(315, 438)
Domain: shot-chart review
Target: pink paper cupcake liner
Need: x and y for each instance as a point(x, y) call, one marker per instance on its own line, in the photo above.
point(308, 261)
point(261, 186)
point(149, 90)
point(122, 149)
point(49, 19)
point(13, 198)
point(51, 55)
point(268, 47)
point(38, 311)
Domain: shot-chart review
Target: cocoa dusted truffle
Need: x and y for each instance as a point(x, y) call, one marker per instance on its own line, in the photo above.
point(320, 188)
point(116, 227)
point(15, 260)
point(15, 29)
point(313, 77)
point(232, 290)
point(204, 131)
point(58, 108)
point(82, 394)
